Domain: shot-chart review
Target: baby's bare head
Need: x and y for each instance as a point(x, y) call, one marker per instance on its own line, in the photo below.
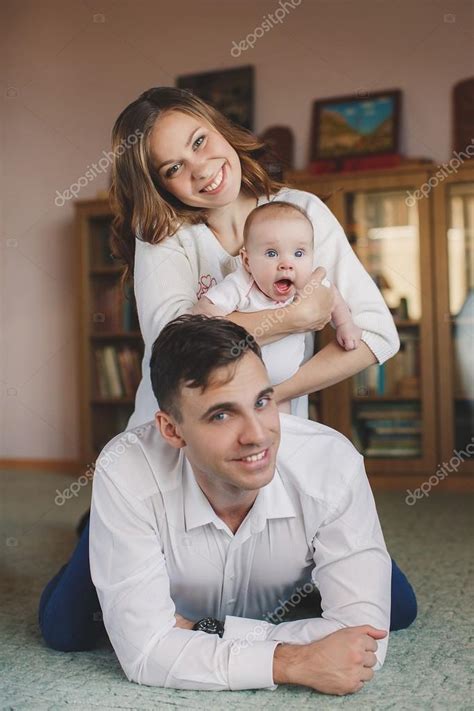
point(296, 221)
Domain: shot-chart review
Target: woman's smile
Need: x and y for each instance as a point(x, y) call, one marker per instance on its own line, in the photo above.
point(217, 183)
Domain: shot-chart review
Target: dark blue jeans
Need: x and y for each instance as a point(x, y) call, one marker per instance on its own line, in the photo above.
point(71, 621)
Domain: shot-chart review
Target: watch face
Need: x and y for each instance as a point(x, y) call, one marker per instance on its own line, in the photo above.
point(210, 625)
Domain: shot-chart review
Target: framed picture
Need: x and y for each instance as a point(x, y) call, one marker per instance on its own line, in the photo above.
point(229, 90)
point(356, 126)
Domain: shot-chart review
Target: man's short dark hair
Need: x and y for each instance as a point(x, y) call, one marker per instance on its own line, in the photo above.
point(187, 352)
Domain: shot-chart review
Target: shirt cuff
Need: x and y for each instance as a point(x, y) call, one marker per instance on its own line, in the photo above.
point(251, 665)
point(251, 655)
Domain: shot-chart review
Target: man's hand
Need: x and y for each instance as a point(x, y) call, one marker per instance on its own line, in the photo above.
point(338, 664)
point(313, 305)
point(183, 622)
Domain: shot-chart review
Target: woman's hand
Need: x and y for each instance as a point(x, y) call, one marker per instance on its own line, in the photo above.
point(311, 310)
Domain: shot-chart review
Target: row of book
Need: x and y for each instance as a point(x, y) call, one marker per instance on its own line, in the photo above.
point(399, 375)
point(117, 371)
point(111, 309)
point(100, 247)
point(388, 429)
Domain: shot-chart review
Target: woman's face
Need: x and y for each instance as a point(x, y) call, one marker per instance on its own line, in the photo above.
point(195, 163)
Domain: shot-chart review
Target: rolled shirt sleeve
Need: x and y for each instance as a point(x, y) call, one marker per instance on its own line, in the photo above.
point(129, 571)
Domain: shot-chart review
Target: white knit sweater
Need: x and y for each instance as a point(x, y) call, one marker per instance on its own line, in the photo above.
point(169, 278)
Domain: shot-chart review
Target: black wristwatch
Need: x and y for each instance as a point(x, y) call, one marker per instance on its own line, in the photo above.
point(210, 625)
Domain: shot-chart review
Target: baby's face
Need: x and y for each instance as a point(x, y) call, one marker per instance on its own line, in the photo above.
point(279, 254)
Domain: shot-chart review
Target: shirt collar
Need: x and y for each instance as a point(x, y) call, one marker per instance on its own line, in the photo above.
point(272, 501)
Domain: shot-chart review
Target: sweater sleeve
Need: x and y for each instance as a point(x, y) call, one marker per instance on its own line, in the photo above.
point(164, 281)
point(357, 288)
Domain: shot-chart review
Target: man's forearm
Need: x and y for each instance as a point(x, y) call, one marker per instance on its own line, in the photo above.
point(329, 366)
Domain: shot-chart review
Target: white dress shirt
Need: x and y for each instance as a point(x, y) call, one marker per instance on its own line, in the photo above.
point(157, 547)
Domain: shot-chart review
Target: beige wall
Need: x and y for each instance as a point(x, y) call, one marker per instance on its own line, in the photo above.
point(68, 77)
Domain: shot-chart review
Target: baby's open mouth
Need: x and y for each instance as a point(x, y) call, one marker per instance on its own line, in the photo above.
point(283, 286)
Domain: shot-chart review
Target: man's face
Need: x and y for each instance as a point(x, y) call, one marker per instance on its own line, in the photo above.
point(232, 430)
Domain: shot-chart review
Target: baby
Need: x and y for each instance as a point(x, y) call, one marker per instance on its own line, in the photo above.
point(277, 262)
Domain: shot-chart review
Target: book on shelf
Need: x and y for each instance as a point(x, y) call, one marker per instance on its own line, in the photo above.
point(383, 452)
point(389, 429)
point(388, 411)
point(100, 248)
point(117, 371)
point(112, 312)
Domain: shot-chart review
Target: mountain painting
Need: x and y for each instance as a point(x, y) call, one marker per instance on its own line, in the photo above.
point(357, 126)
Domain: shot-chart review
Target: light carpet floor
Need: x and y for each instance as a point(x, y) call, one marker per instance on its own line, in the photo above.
point(428, 666)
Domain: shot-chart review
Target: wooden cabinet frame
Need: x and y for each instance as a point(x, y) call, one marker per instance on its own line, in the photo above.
point(445, 381)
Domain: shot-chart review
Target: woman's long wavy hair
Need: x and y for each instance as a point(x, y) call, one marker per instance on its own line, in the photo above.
point(140, 205)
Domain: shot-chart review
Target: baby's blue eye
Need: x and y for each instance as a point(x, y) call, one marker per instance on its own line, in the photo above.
point(271, 253)
point(299, 253)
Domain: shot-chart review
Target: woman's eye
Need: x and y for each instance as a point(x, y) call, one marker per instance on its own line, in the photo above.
point(171, 171)
point(271, 253)
point(262, 402)
point(299, 253)
point(198, 141)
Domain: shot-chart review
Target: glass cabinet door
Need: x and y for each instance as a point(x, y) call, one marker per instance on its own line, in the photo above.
point(386, 400)
point(460, 249)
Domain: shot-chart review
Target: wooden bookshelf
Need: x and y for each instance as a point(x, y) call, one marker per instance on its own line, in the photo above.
point(111, 346)
point(396, 414)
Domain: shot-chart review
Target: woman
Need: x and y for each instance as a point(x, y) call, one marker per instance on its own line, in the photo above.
point(185, 189)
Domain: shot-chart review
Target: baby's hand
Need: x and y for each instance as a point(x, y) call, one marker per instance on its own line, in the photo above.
point(348, 335)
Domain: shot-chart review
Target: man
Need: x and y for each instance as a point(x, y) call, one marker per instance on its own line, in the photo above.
point(206, 519)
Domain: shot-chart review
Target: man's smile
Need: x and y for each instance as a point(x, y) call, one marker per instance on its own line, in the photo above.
point(258, 460)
